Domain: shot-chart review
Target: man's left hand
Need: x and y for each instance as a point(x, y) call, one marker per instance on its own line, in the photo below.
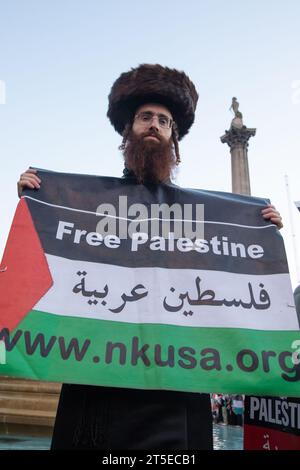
point(272, 214)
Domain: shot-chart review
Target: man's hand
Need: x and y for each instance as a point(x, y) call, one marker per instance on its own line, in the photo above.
point(272, 214)
point(29, 179)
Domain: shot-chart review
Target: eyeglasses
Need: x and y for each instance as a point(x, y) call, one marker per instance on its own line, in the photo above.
point(147, 117)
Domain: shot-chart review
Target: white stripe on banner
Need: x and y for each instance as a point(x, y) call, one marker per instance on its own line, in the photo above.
point(169, 296)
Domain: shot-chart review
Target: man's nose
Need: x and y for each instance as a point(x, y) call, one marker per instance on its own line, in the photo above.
point(154, 127)
point(154, 123)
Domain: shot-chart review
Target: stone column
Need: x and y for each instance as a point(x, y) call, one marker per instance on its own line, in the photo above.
point(237, 138)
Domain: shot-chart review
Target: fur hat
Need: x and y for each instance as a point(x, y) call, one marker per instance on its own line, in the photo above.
point(153, 84)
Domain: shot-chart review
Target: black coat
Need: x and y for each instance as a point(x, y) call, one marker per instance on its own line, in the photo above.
point(92, 417)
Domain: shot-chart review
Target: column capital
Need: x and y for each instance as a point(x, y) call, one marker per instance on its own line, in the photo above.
point(238, 136)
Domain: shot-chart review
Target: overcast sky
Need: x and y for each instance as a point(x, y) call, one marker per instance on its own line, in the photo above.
point(59, 58)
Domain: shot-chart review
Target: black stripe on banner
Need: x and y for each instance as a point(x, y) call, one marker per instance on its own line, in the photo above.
point(226, 246)
point(86, 192)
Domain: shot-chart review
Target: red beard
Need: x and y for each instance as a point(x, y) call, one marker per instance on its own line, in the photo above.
point(151, 161)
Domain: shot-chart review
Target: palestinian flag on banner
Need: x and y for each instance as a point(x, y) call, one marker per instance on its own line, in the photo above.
point(83, 302)
point(297, 205)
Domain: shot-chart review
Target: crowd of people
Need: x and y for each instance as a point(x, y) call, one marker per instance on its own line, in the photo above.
point(227, 409)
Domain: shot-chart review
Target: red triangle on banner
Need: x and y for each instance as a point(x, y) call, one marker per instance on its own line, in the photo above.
point(24, 273)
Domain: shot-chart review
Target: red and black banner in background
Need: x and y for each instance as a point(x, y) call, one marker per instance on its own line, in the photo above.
point(272, 423)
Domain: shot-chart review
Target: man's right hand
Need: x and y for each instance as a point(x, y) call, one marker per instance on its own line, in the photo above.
point(28, 179)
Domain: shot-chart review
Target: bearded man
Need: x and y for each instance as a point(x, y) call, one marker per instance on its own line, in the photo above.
point(152, 107)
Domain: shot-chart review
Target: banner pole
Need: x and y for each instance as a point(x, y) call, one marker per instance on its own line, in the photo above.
point(292, 226)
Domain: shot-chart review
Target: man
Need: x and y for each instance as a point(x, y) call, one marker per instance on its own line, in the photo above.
point(152, 107)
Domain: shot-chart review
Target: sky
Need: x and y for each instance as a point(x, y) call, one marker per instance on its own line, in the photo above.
point(59, 59)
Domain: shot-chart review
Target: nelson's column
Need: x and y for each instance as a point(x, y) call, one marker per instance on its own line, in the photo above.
point(237, 138)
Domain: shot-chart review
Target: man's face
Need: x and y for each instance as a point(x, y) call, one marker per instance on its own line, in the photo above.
point(153, 117)
point(149, 150)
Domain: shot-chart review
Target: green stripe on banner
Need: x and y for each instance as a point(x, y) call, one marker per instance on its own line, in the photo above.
point(153, 356)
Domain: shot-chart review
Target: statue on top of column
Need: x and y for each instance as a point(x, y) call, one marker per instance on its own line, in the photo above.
point(237, 121)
